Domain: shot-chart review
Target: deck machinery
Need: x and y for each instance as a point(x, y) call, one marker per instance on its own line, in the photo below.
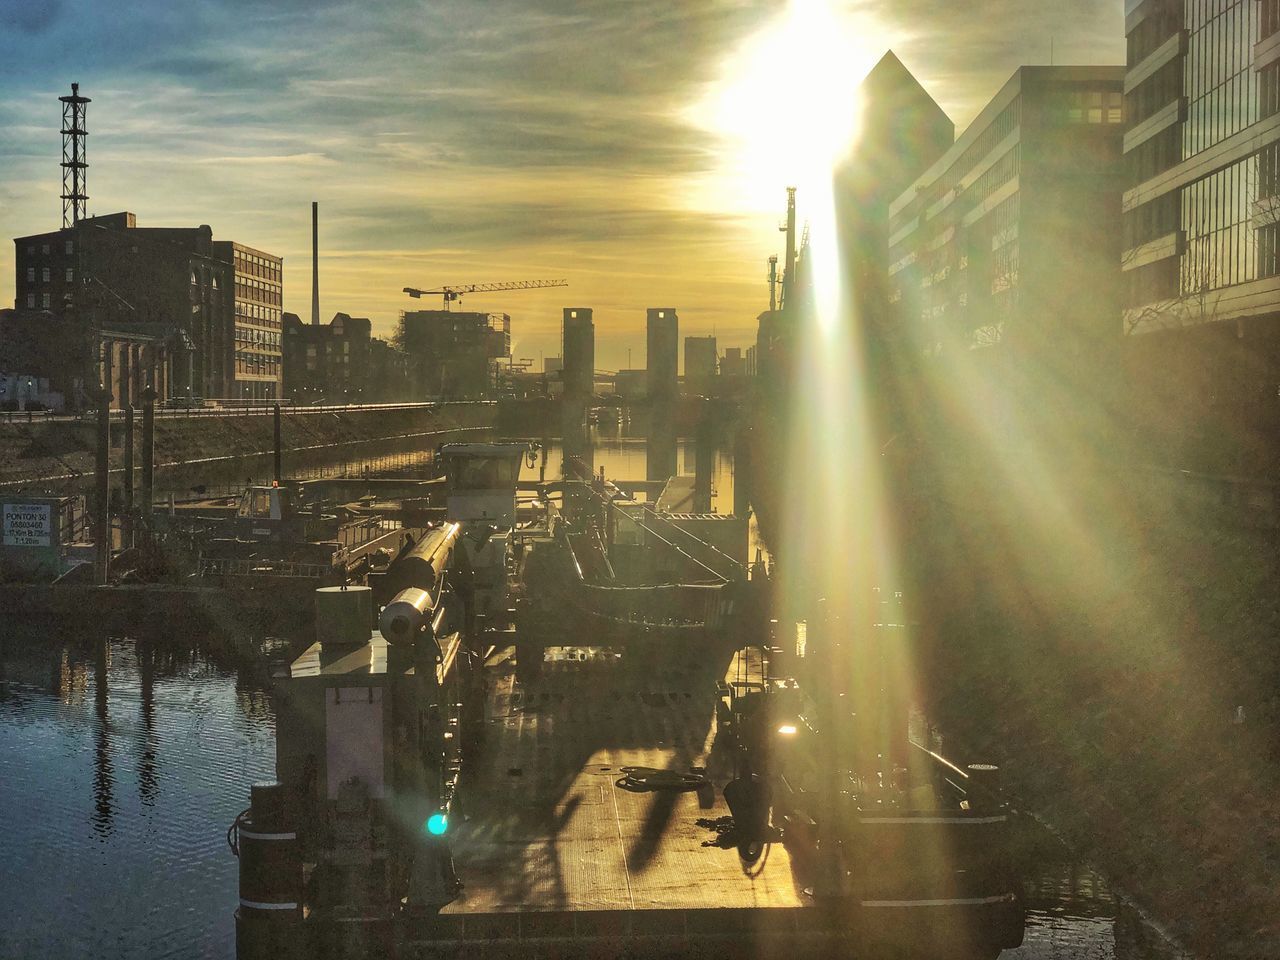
point(667, 792)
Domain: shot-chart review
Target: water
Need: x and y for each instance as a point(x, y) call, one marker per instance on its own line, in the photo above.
point(122, 763)
point(121, 766)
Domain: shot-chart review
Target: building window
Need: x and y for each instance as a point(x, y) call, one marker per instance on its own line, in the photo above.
point(1269, 90)
point(1222, 96)
point(1155, 155)
point(70, 275)
point(1152, 220)
point(44, 274)
point(1152, 282)
point(31, 300)
point(1268, 18)
point(1218, 220)
point(1160, 23)
point(44, 300)
point(70, 247)
point(31, 274)
point(1268, 252)
point(44, 248)
point(1156, 92)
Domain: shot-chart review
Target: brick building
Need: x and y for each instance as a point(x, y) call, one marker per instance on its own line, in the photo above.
point(326, 362)
point(174, 284)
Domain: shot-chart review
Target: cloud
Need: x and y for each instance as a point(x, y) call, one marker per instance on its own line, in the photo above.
point(461, 140)
point(30, 16)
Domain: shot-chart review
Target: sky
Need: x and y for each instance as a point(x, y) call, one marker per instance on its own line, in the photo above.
point(638, 150)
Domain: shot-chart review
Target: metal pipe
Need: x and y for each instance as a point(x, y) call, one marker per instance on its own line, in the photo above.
point(128, 476)
point(148, 455)
point(315, 263)
point(101, 479)
point(278, 448)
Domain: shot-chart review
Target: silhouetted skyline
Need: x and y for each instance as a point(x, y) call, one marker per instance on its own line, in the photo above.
point(469, 142)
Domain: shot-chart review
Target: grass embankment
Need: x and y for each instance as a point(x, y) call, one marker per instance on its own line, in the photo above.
point(1095, 633)
point(66, 449)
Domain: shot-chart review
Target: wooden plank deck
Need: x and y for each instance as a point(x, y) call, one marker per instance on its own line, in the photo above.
point(545, 825)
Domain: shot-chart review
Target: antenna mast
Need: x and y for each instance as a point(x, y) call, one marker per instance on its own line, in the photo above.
point(74, 162)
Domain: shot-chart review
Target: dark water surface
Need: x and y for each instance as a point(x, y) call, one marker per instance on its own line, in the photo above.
point(121, 766)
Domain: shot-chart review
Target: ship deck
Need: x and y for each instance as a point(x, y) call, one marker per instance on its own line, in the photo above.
point(548, 829)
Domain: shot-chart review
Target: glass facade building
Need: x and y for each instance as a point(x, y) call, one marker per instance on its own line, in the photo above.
point(1202, 89)
point(1010, 235)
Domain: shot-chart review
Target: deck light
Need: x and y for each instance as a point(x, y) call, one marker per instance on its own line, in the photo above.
point(438, 823)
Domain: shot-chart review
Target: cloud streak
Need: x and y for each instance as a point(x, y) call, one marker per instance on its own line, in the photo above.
point(464, 140)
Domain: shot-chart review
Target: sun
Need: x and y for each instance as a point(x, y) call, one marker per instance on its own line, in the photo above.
point(785, 107)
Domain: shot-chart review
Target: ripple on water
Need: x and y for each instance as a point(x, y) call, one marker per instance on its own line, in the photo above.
point(122, 766)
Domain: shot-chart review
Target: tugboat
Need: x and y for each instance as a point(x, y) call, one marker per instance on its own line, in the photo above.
point(458, 776)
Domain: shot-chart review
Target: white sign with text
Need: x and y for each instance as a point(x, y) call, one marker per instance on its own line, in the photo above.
point(26, 524)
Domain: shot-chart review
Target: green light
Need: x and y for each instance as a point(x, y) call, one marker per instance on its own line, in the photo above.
point(438, 823)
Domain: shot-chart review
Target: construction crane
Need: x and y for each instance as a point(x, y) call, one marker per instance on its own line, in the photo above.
point(454, 294)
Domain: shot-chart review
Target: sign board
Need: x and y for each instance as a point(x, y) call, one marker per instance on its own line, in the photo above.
point(26, 525)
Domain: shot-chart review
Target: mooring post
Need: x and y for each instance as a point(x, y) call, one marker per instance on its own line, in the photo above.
point(741, 472)
point(148, 456)
point(102, 485)
point(278, 445)
point(127, 519)
point(704, 461)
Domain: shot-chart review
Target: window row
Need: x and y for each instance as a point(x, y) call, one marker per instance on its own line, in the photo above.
point(1155, 93)
point(265, 337)
point(44, 301)
point(1153, 220)
point(1093, 106)
point(1161, 22)
point(261, 294)
point(251, 363)
point(68, 248)
point(1217, 219)
point(45, 275)
point(1222, 97)
point(1268, 18)
point(1155, 155)
point(269, 316)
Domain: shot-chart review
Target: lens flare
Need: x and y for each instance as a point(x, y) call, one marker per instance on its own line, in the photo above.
point(786, 106)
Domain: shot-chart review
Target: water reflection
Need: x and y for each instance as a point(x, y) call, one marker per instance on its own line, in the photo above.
point(90, 863)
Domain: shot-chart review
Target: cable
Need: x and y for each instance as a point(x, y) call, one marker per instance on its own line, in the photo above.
point(648, 779)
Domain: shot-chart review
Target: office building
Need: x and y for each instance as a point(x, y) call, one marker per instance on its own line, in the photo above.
point(256, 299)
point(662, 327)
point(578, 344)
point(1009, 242)
point(1201, 253)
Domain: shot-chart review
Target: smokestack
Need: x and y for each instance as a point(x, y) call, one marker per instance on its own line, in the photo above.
point(315, 263)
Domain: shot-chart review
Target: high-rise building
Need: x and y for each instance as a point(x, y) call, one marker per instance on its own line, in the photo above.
point(1010, 239)
point(699, 365)
point(902, 131)
point(1201, 253)
point(579, 351)
point(662, 327)
point(256, 299)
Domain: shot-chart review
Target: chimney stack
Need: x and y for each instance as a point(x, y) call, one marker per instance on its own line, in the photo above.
point(315, 263)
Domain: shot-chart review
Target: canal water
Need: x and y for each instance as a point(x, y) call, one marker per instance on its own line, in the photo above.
point(123, 762)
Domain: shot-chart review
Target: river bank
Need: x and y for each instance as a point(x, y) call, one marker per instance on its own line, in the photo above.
point(57, 456)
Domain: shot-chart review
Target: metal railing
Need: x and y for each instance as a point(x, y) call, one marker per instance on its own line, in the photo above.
point(243, 567)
